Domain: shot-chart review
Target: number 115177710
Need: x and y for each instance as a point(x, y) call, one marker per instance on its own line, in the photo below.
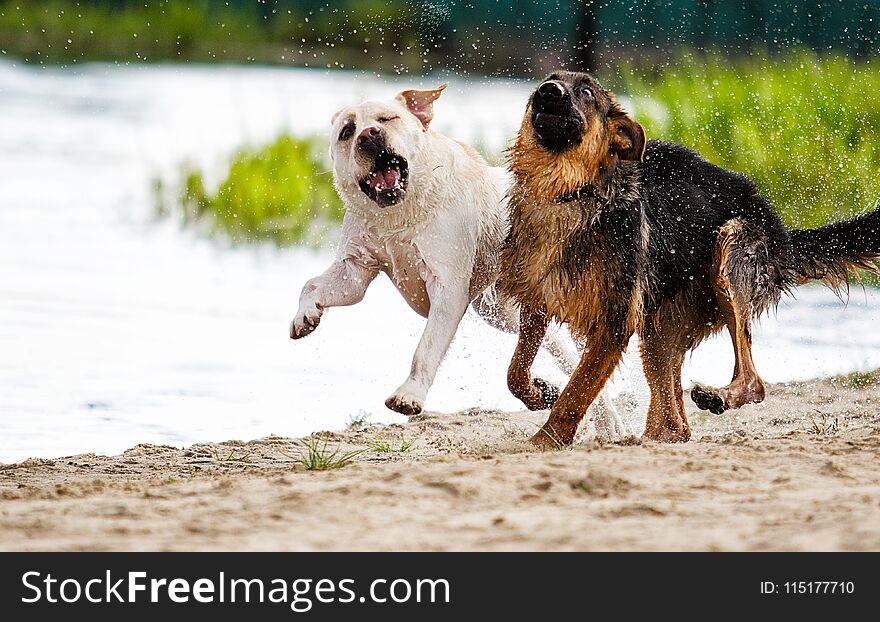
point(808, 587)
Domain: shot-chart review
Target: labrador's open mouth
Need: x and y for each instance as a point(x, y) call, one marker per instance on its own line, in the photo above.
point(386, 183)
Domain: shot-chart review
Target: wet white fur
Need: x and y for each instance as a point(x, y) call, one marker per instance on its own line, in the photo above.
point(440, 246)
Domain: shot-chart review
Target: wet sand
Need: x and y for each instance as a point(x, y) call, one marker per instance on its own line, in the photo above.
point(799, 472)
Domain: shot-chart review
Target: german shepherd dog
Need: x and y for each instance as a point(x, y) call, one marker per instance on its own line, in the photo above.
point(617, 235)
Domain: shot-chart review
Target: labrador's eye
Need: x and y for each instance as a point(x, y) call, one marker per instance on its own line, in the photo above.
point(347, 131)
point(387, 119)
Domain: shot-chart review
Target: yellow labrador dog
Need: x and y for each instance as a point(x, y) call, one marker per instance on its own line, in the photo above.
point(431, 214)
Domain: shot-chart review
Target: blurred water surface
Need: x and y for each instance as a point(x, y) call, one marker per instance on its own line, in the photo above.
point(117, 330)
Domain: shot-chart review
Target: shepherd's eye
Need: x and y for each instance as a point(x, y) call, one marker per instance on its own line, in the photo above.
point(387, 119)
point(586, 92)
point(347, 131)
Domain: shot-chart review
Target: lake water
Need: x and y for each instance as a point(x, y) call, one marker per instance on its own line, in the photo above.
point(116, 329)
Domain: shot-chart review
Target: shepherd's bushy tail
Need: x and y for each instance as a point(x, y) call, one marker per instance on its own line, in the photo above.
point(831, 253)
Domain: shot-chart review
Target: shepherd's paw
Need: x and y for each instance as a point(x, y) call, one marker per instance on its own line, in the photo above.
point(542, 441)
point(550, 438)
point(549, 393)
point(707, 398)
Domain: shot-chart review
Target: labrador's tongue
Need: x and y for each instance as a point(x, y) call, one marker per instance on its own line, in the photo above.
point(385, 179)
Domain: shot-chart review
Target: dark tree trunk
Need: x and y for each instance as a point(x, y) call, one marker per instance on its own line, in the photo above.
point(585, 38)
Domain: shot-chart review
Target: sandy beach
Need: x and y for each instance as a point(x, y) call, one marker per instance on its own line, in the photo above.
point(799, 472)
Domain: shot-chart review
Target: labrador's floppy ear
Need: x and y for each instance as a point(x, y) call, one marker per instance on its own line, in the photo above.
point(627, 136)
point(421, 103)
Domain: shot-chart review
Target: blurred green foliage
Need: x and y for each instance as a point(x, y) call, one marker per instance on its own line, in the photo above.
point(351, 32)
point(282, 193)
point(805, 127)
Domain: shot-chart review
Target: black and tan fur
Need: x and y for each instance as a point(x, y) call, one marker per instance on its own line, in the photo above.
point(617, 235)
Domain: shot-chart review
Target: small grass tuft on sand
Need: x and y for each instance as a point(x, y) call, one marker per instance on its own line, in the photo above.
point(823, 425)
point(234, 456)
point(385, 446)
point(316, 456)
point(627, 441)
point(357, 421)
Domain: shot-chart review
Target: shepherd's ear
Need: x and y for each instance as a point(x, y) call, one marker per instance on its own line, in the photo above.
point(627, 136)
point(421, 103)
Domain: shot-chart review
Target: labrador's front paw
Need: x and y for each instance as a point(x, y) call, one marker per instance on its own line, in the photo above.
point(305, 321)
point(406, 401)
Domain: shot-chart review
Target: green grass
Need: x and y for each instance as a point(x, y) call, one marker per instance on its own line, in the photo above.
point(234, 456)
point(805, 127)
point(858, 379)
point(698, 418)
point(282, 193)
point(358, 420)
point(385, 446)
point(316, 456)
point(626, 441)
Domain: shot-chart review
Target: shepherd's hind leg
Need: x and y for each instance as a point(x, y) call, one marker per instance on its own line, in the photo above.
point(663, 345)
point(742, 266)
